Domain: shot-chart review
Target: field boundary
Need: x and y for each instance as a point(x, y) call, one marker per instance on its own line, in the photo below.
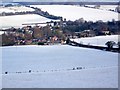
point(73, 43)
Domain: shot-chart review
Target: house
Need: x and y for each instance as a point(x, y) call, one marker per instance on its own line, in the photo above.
point(105, 32)
point(87, 33)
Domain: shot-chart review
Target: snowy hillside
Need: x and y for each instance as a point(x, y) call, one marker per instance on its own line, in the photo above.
point(66, 11)
point(52, 66)
point(98, 40)
point(15, 9)
point(18, 20)
point(105, 7)
point(75, 12)
point(108, 7)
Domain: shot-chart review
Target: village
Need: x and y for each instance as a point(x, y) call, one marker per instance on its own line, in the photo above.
point(57, 32)
point(32, 35)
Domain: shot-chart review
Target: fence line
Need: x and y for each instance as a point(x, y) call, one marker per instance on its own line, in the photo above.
point(94, 47)
point(57, 70)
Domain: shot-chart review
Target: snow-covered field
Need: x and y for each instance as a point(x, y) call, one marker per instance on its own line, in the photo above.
point(18, 20)
point(105, 7)
point(108, 7)
point(52, 67)
point(98, 40)
point(66, 11)
point(15, 9)
point(76, 12)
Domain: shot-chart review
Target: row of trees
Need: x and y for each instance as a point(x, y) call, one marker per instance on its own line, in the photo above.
point(44, 13)
point(99, 26)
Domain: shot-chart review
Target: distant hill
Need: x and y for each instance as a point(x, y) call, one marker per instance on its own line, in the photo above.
point(68, 3)
point(39, 2)
point(66, 0)
point(6, 1)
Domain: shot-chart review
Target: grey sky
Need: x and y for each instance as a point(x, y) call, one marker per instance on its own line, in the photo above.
point(64, 0)
point(57, 0)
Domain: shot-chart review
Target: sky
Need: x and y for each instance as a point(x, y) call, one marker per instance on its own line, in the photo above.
point(58, 0)
point(61, 0)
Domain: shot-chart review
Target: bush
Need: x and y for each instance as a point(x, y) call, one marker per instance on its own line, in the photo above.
point(110, 44)
point(68, 41)
point(41, 43)
point(7, 40)
point(6, 72)
point(29, 71)
point(118, 44)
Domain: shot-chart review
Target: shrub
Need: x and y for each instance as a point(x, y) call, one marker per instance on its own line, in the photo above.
point(68, 41)
point(118, 44)
point(110, 44)
point(6, 72)
point(41, 43)
point(29, 71)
